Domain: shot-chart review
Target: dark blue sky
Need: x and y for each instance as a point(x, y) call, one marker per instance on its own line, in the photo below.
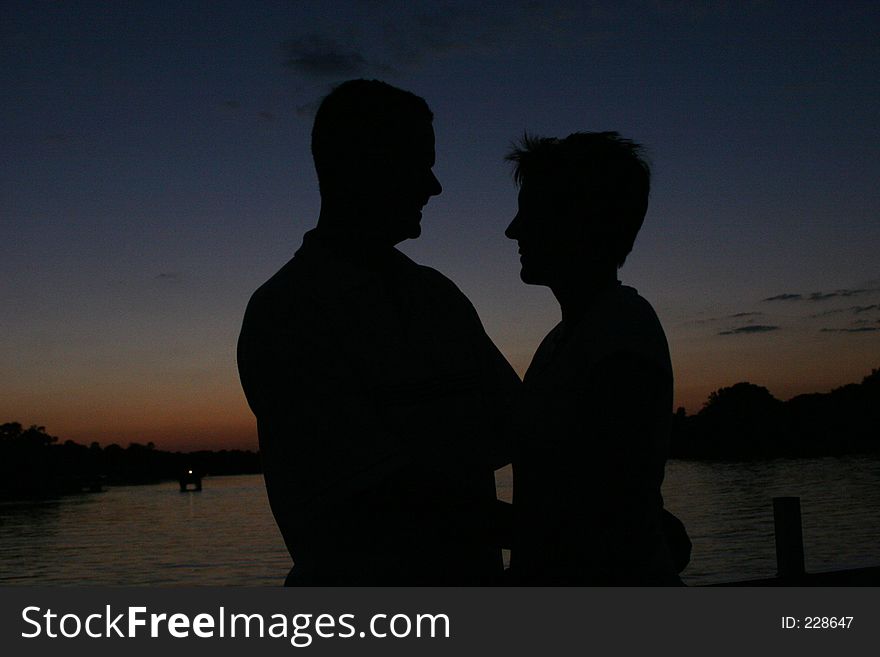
point(157, 170)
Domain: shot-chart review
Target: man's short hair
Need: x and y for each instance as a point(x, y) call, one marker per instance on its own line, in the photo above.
point(362, 117)
point(601, 173)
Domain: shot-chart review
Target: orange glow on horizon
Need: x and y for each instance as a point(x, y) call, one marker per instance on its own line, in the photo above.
point(218, 417)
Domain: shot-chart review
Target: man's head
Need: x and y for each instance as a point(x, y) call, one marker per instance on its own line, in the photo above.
point(373, 146)
point(582, 201)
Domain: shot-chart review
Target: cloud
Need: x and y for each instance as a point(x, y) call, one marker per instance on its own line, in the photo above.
point(319, 56)
point(709, 320)
point(405, 40)
point(746, 330)
point(823, 296)
point(826, 313)
point(785, 297)
point(858, 329)
point(855, 310)
point(386, 40)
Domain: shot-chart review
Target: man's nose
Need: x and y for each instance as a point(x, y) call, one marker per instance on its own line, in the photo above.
point(512, 231)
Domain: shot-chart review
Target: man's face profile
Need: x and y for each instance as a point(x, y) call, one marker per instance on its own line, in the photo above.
point(411, 181)
point(397, 180)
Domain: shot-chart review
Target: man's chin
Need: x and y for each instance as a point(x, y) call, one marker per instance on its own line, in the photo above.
point(409, 231)
point(413, 232)
point(412, 228)
point(529, 277)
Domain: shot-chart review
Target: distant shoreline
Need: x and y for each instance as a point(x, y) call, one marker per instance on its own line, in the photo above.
point(743, 422)
point(34, 465)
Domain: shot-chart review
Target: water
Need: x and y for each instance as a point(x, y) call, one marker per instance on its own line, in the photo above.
point(728, 510)
point(225, 535)
point(146, 536)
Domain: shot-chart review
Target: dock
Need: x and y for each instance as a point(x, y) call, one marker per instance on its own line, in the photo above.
point(790, 556)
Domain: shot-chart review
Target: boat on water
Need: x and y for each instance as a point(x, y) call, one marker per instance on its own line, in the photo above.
point(190, 480)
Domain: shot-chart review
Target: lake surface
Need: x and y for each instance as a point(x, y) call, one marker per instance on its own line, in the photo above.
point(225, 535)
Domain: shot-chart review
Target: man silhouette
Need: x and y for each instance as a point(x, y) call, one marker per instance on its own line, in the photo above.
point(598, 392)
point(378, 395)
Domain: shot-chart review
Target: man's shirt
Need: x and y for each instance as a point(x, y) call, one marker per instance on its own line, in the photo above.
point(381, 408)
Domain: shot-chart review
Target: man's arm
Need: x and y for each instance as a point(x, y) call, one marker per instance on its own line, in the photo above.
point(320, 438)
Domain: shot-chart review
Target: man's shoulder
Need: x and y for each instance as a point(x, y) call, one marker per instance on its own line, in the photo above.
point(310, 275)
point(285, 287)
point(433, 279)
point(425, 276)
point(314, 283)
point(289, 301)
point(442, 293)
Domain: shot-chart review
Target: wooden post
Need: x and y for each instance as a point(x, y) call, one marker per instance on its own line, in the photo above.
point(789, 536)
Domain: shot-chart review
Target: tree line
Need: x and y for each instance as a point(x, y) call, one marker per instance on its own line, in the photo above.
point(746, 422)
point(34, 463)
point(740, 422)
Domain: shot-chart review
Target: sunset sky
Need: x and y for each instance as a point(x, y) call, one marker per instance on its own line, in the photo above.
point(156, 170)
